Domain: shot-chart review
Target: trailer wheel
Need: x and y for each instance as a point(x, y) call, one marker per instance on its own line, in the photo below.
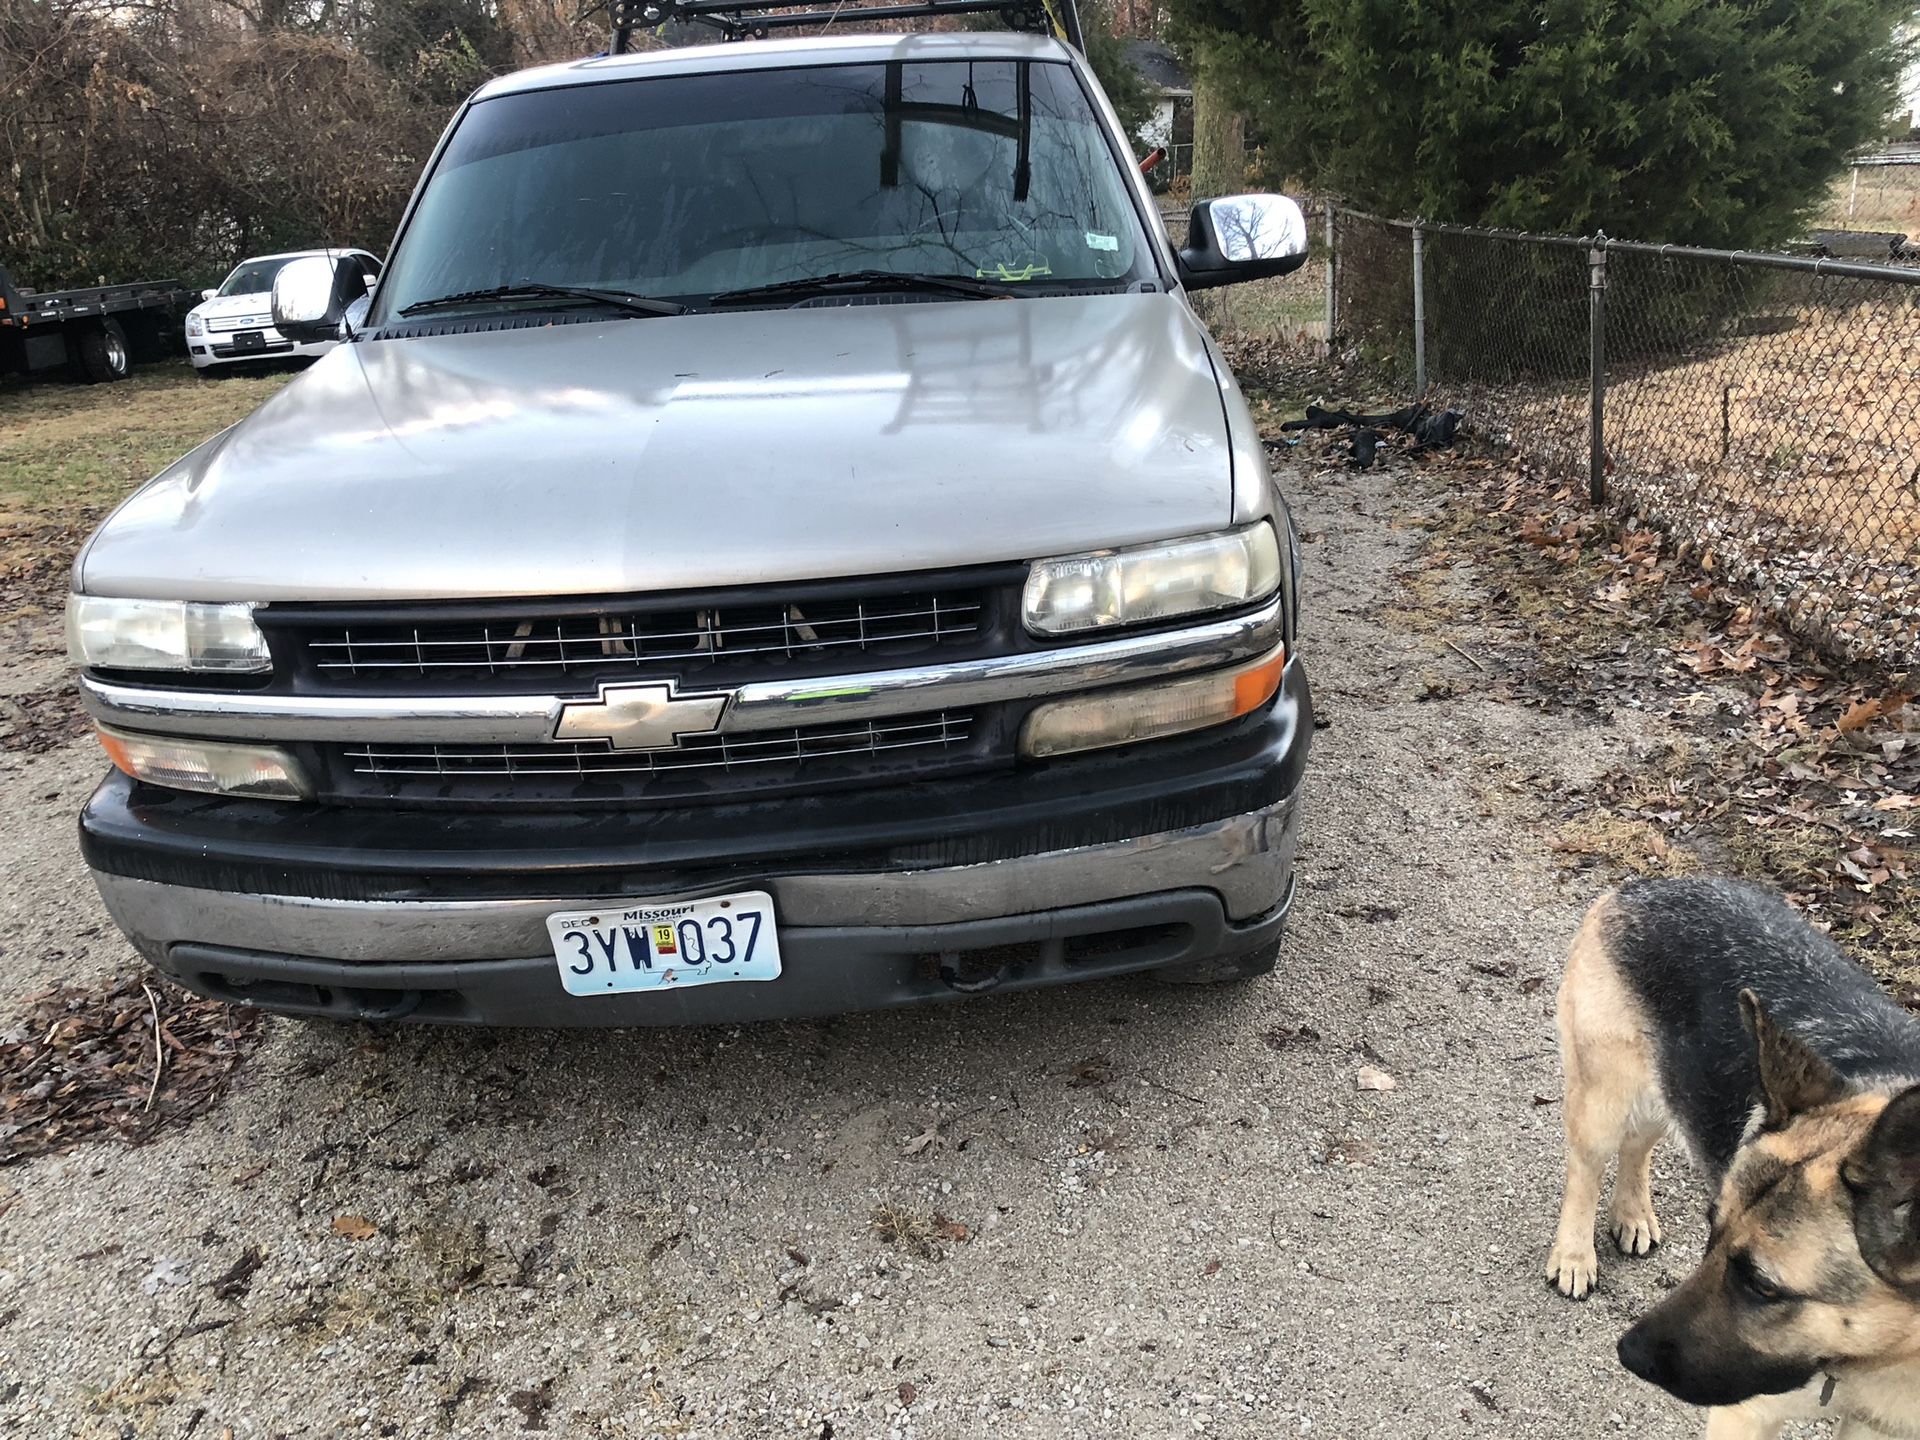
point(104, 356)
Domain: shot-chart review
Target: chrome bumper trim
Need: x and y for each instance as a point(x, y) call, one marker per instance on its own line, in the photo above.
point(767, 705)
point(1246, 859)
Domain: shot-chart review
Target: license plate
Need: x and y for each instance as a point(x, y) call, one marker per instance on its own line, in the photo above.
point(621, 948)
point(249, 339)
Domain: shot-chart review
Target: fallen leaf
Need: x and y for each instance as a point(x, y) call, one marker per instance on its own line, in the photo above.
point(1370, 1078)
point(355, 1227)
point(1863, 713)
point(952, 1230)
point(1212, 1267)
point(921, 1141)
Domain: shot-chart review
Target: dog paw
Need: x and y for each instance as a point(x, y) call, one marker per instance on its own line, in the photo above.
point(1573, 1270)
point(1636, 1234)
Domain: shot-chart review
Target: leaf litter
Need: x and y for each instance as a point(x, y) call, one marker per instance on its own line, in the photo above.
point(77, 1062)
point(1792, 767)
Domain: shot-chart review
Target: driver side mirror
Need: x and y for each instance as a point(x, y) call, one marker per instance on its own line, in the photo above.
point(208, 294)
point(1243, 237)
point(311, 296)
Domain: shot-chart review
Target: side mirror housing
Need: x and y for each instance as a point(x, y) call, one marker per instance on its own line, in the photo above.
point(311, 296)
point(208, 294)
point(1243, 237)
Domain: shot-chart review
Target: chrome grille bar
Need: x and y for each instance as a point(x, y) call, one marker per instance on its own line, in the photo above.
point(585, 759)
point(759, 707)
point(221, 325)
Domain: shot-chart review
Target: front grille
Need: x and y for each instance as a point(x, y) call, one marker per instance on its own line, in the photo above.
point(220, 325)
point(557, 644)
point(700, 767)
point(583, 758)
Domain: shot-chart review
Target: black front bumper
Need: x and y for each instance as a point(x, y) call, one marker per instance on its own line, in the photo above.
point(364, 862)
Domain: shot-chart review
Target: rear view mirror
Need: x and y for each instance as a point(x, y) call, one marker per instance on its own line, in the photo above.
point(1243, 237)
point(311, 296)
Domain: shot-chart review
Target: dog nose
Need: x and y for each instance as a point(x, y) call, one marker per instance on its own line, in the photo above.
point(1641, 1355)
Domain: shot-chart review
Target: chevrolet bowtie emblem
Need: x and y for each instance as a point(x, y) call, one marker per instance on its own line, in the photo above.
point(639, 717)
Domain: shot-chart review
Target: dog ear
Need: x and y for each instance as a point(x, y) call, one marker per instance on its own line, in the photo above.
point(1792, 1078)
point(1884, 1175)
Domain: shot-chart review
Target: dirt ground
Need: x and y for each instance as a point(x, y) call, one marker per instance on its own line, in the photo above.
point(1116, 1210)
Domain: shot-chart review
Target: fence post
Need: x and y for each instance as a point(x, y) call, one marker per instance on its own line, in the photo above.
point(1333, 261)
point(1597, 369)
point(1419, 315)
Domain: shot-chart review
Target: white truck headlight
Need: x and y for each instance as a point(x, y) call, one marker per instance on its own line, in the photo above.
point(105, 633)
point(213, 767)
point(196, 327)
point(1152, 582)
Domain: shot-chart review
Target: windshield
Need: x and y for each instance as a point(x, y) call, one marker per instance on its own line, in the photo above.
point(683, 187)
point(253, 277)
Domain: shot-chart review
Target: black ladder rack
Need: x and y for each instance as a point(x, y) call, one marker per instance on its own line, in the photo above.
point(756, 19)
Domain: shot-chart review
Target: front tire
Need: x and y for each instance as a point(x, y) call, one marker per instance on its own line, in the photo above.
point(104, 356)
point(1222, 969)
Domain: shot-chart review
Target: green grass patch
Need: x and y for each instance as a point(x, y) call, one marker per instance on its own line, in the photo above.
point(67, 447)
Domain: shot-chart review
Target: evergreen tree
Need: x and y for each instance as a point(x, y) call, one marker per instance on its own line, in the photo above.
point(1715, 122)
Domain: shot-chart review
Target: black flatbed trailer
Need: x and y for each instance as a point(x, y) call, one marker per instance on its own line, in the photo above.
point(95, 334)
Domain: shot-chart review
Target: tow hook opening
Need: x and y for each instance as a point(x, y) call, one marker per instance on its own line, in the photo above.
point(974, 972)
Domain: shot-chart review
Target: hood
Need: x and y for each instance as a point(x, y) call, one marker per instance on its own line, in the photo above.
point(225, 307)
point(633, 455)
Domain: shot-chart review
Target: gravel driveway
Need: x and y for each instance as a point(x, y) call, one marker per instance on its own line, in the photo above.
point(1118, 1210)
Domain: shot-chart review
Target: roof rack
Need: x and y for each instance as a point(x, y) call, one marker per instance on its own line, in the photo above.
point(756, 19)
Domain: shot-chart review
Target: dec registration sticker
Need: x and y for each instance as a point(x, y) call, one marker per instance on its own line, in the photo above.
point(621, 948)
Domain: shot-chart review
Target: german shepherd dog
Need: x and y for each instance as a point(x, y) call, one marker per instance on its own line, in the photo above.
point(1709, 1009)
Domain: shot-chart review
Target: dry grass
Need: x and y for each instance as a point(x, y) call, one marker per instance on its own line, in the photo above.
point(1815, 425)
point(1624, 841)
point(1882, 198)
point(911, 1229)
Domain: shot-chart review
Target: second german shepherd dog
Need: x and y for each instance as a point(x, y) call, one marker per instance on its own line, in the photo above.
point(1709, 1009)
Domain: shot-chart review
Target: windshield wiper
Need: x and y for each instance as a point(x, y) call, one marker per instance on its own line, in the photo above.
point(612, 299)
point(857, 282)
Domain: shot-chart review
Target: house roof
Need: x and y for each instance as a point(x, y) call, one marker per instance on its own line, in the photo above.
point(1159, 66)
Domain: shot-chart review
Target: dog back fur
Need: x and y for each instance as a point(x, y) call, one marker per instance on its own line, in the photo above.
point(1687, 947)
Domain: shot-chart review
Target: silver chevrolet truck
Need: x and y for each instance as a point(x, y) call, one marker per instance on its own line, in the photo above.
point(776, 541)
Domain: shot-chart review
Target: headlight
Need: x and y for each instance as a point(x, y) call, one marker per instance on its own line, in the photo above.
point(104, 633)
point(1152, 582)
point(196, 326)
point(211, 766)
point(1150, 712)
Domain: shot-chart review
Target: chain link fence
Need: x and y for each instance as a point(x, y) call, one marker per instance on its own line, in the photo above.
point(1764, 410)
